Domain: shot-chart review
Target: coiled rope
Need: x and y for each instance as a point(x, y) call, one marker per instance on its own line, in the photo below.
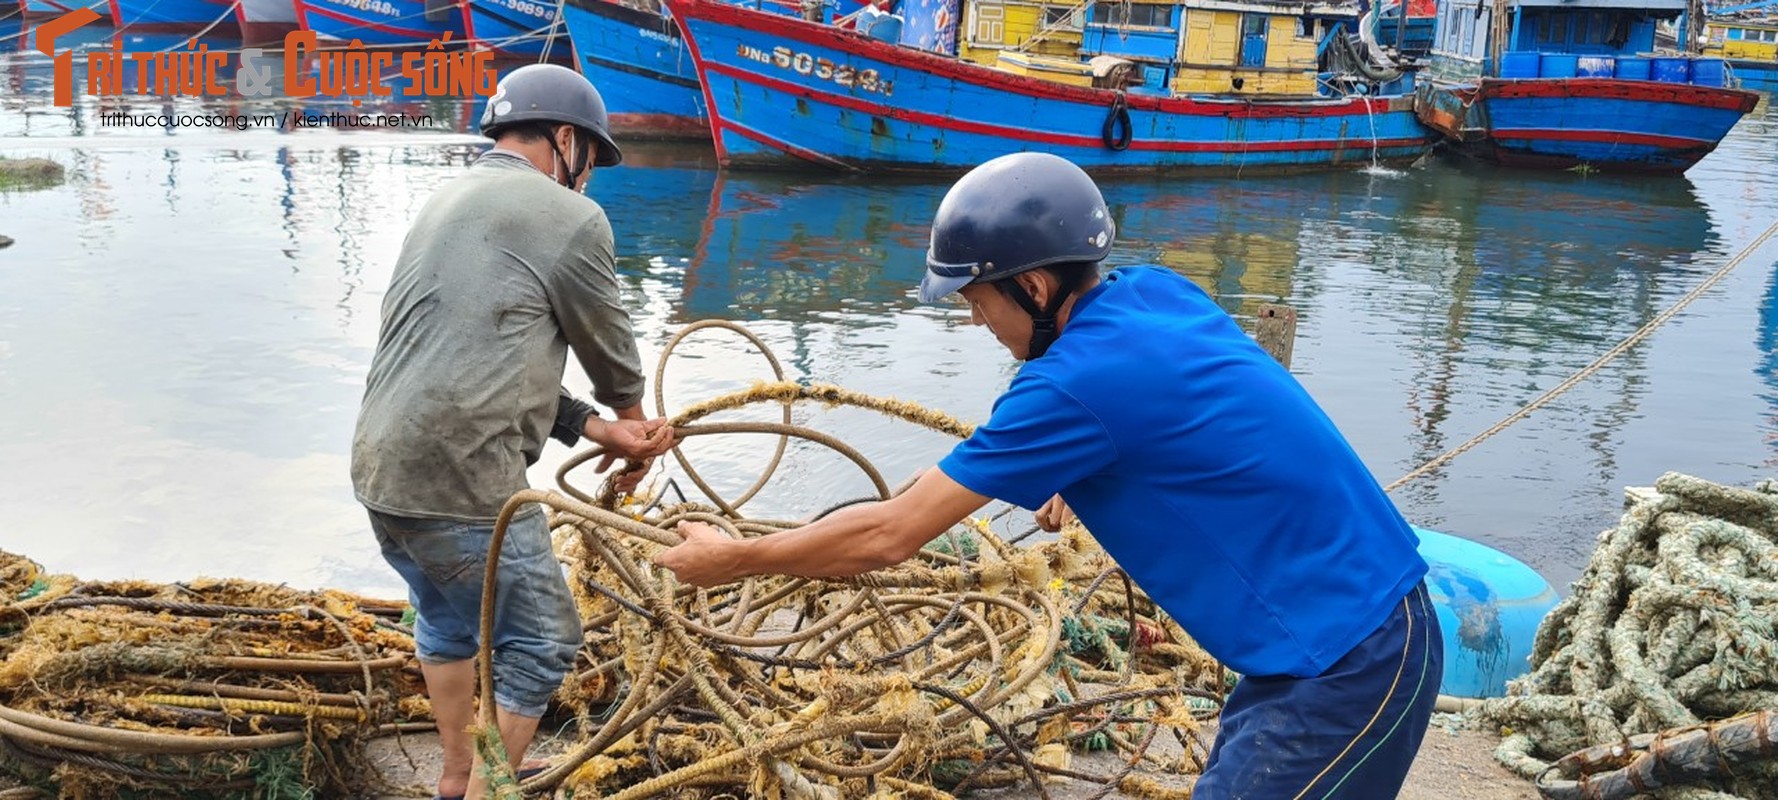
point(206, 689)
point(978, 663)
point(1672, 625)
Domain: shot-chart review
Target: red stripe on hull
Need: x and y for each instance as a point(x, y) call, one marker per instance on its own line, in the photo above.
point(659, 126)
point(697, 57)
point(1613, 89)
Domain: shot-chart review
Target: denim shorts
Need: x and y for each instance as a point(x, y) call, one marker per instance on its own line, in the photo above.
point(536, 626)
point(1349, 733)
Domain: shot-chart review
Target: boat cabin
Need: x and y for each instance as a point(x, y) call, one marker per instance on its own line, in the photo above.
point(1743, 39)
point(991, 27)
point(1562, 39)
point(1162, 46)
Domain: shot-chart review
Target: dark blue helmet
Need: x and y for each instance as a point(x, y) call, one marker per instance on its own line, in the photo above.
point(1012, 214)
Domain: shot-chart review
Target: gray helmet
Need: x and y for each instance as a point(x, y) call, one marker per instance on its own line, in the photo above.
point(550, 93)
point(1012, 214)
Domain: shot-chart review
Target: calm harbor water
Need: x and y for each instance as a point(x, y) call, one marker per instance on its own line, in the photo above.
point(185, 325)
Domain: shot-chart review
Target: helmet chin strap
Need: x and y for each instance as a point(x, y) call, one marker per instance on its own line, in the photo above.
point(581, 156)
point(1043, 320)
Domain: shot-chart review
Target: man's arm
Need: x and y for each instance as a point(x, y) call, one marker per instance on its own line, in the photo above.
point(848, 542)
point(588, 305)
point(587, 301)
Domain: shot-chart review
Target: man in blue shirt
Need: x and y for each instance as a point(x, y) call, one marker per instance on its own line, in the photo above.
point(1199, 464)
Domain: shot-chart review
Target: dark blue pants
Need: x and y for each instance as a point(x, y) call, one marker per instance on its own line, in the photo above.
point(1347, 734)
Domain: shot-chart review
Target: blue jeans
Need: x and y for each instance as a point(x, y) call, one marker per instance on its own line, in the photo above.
point(536, 625)
point(1346, 734)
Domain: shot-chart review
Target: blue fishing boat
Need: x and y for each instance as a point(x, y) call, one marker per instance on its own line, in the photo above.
point(175, 15)
point(641, 67)
point(1575, 82)
point(785, 92)
point(265, 20)
point(38, 9)
point(524, 28)
point(413, 23)
point(1746, 38)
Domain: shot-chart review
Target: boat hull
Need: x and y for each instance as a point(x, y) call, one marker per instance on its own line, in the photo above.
point(38, 9)
point(382, 22)
point(522, 28)
point(641, 67)
point(265, 20)
point(788, 93)
point(173, 15)
point(1605, 123)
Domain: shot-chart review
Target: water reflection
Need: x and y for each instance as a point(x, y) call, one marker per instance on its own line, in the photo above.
point(773, 244)
point(1529, 310)
point(185, 326)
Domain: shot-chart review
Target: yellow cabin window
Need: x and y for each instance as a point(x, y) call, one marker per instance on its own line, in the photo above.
point(990, 23)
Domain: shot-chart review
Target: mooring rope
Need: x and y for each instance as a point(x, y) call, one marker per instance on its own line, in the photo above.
point(1587, 371)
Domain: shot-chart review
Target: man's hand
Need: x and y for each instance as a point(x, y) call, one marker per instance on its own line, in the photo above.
point(636, 440)
point(1054, 514)
point(706, 558)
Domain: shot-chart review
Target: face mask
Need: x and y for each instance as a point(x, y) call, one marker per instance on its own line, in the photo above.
point(566, 164)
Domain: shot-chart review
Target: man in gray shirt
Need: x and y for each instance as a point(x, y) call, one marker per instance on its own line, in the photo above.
point(506, 268)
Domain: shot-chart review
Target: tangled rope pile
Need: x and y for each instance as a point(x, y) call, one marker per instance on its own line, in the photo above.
point(1674, 623)
point(201, 689)
point(978, 663)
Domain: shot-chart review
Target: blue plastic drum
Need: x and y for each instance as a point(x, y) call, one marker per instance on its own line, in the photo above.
point(1558, 65)
point(1631, 68)
point(1594, 67)
point(1671, 70)
point(1489, 605)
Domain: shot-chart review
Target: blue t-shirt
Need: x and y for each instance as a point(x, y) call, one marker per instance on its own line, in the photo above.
point(1206, 471)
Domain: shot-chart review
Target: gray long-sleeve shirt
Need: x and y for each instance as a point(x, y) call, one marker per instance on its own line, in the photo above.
point(499, 276)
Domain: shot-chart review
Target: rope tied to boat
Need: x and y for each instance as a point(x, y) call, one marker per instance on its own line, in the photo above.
point(1671, 625)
